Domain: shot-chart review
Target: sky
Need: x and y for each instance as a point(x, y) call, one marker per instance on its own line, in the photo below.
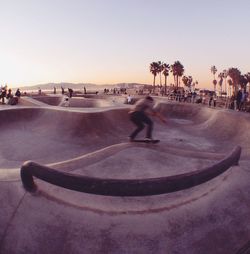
point(114, 41)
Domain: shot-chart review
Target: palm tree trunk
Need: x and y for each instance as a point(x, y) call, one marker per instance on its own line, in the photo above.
point(154, 85)
point(165, 86)
point(214, 85)
point(226, 86)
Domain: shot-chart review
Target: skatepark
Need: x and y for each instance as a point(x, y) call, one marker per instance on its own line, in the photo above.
point(203, 153)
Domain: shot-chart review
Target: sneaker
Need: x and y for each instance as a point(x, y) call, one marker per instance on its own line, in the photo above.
point(148, 139)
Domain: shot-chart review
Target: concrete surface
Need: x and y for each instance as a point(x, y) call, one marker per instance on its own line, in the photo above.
point(210, 218)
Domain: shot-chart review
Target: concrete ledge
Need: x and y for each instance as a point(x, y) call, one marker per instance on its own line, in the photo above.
point(125, 187)
point(28, 101)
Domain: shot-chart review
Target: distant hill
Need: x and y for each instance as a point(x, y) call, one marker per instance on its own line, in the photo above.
point(80, 86)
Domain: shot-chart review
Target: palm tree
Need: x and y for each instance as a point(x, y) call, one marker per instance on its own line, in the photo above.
point(214, 70)
point(215, 83)
point(177, 69)
point(154, 70)
point(196, 83)
point(230, 83)
point(165, 72)
point(221, 76)
point(234, 74)
point(247, 76)
point(190, 80)
point(185, 80)
point(225, 74)
point(243, 82)
point(160, 69)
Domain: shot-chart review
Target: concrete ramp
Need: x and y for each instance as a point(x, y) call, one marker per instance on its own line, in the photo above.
point(212, 217)
point(80, 102)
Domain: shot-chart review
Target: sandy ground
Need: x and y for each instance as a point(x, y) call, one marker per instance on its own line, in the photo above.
point(209, 218)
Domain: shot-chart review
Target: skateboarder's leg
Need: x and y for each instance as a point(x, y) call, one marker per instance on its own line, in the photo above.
point(139, 128)
point(137, 120)
point(150, 124)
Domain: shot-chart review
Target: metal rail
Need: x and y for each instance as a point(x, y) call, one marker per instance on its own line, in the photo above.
point(125, 187)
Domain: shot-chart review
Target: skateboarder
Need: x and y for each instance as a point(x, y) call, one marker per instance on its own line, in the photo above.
point(139, 116)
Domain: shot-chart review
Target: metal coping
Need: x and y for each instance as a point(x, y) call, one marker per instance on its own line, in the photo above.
point(125, 187)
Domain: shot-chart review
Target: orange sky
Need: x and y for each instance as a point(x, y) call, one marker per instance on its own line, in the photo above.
point(115, 41)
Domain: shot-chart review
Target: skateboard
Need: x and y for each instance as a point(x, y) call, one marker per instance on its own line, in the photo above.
point(154, 141)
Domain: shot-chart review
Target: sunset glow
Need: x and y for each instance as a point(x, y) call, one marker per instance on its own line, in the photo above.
point(113, 41)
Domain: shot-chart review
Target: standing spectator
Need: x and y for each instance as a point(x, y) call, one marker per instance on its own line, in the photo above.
point(18, 93)
point(214, 99)
point(9, 94)
point(70, 92)
point(3, 94)
point(238, 99)
point(210, 99)
point(193, 96)
point(129, 99)
point(243, 100)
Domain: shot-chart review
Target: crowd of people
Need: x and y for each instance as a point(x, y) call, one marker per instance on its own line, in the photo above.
point(7, 97)
point(115, 91)
point(239, 101)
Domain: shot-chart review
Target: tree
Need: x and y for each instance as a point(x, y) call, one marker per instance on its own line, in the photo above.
point(214, 70)
point(185, 80)
point(230, 83)
point(154, 70)
point(160, 69)
point(243, 82)
point(220, 76)
point(190, 80)
point(215, 83)
point(248, 79)
point(234, 74)
point(196, 83)
point(225, 74)
point(165, 72)
point(177, 69)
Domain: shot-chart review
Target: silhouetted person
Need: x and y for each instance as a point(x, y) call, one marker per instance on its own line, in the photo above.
point(85, 90)
point(11, 99)
point(3, 94)
point(238, 99)
point(215, 100)
point(243, 100)
point(9, 94)
point(54, 90)
point(70, 92)
point(210, 99)
point(62, 90)
point(129, 99)
point(139, 116)
point(18, 93)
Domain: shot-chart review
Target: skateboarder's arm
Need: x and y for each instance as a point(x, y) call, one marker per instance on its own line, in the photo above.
point(160, 116)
